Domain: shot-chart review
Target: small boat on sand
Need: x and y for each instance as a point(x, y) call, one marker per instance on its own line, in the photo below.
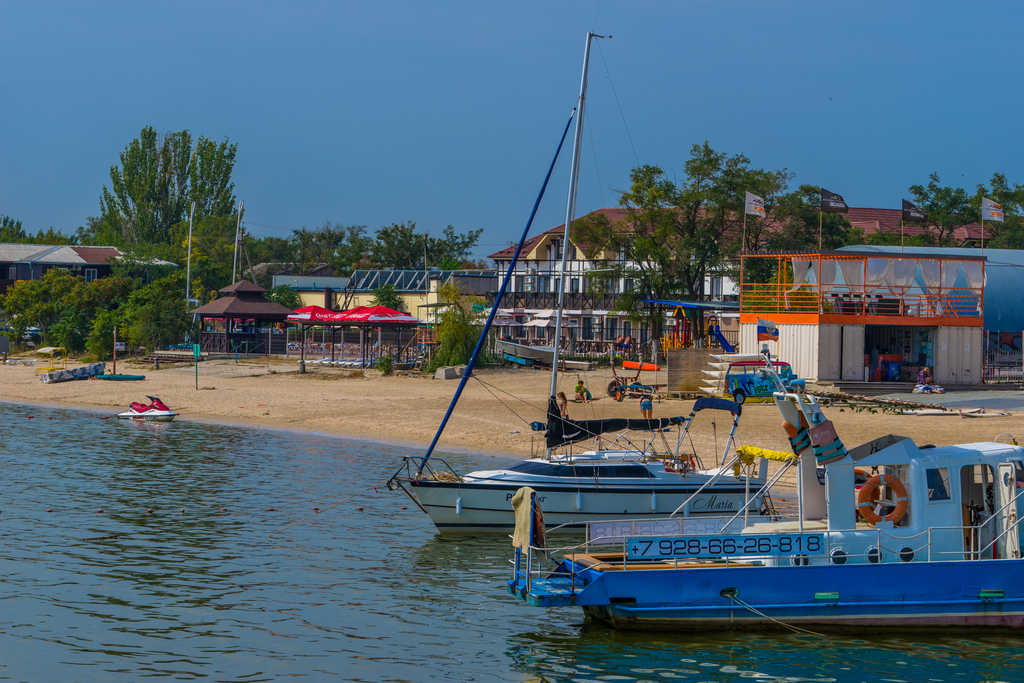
point(156, 411)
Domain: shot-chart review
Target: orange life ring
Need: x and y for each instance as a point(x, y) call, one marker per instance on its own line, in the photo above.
point(870, 492)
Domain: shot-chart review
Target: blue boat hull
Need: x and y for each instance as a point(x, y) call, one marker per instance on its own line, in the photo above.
point(838, 598)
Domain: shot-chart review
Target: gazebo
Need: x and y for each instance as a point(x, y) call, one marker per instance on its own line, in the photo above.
point(395, 333)
point(243, 320)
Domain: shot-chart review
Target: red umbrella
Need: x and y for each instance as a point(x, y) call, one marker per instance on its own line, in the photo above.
point(374, 314)
point(311, 314)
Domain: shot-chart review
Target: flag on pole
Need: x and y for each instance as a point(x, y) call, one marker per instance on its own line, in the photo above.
point(912, 214)
point(767, 330)
point(832, 202)
point(755, 205)
point(990, 211)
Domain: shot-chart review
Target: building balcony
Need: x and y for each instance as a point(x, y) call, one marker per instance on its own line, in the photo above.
point(573, 301)
point(873, 288)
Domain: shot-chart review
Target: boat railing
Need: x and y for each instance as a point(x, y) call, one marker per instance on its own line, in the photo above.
point(450, 475)
point(905, 550)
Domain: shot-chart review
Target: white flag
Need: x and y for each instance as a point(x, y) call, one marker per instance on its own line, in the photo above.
point(990, 211)
point(755, 205)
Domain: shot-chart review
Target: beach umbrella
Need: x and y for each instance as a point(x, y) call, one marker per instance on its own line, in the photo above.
point(374, 314)
point(311, 314)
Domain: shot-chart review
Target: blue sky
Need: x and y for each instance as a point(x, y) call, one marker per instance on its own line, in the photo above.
point(448, 112)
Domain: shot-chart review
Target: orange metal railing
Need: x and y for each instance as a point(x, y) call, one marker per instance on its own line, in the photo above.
point(778, 296)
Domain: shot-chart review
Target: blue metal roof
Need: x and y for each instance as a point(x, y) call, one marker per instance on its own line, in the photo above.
point(701, 305)
point(1004, 280)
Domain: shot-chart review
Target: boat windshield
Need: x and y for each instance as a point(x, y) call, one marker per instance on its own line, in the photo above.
point(632, 471)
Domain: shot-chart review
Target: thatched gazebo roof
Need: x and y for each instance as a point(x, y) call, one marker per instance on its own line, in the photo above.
point(243, 300)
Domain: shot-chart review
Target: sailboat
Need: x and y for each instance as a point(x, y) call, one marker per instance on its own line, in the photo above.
point(625, 479)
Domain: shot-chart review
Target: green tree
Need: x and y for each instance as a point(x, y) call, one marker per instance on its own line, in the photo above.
point(387, 295)
point(155, 314)
point(458, 327)
point(646, 240)
point(10, 230)
point(947, 208)
point(39, 303)
point(159, 177)
point(286, 296)
point(800, 216)
point(400, 247)
point(63, 306)
point(1010, 233)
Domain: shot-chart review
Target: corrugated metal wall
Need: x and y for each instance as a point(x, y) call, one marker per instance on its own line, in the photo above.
point(797, 345)
point(853, 353)
point(957, 355)
point(830, 345)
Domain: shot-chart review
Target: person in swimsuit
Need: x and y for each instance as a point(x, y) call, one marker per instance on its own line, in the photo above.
point(563, 405)
point(646, 408)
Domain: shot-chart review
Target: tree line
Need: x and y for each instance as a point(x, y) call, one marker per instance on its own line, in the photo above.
point(145, 211)
point(678, 232)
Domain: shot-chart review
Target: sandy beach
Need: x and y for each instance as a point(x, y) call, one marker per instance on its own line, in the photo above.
point(493, 415)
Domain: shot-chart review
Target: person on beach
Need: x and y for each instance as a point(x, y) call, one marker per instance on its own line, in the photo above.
point(563, 405)
point(925, 376)
point(646, 408)
point(582, 393)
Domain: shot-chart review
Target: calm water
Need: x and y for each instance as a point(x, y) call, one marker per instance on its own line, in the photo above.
point(200, 590)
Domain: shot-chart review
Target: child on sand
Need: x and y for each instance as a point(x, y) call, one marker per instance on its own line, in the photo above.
point(563, 405)
point(582, 393)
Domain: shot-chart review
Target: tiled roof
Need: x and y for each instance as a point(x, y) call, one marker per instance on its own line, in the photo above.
point(870, 220)
point(888, 220)
point(614, 215)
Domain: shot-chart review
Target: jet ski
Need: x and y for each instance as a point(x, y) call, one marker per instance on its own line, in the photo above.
point(156, 410)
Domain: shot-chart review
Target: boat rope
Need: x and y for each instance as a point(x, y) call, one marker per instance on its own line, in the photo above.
point(468, 372)
point(488, 388)
point(616, 95)
point(382, 484)
point(734, 596)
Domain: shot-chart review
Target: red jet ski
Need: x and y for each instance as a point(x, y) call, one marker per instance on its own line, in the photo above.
point(156, 411)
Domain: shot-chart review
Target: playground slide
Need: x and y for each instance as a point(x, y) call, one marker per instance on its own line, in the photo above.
point(721, 340)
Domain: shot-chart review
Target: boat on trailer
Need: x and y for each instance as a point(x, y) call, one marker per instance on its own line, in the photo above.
point(931, 540)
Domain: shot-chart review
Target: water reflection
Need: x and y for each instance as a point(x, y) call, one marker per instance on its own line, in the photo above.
point(178, 576)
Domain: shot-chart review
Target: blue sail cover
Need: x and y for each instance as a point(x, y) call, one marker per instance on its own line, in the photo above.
point(706, 403)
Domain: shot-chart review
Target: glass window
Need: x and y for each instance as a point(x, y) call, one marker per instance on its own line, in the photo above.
point(627, 328)
point(611, 328)
point(588, 328)
point(938, 484)
point(574, 285)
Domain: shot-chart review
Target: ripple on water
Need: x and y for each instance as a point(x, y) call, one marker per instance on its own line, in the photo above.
point(191, 592)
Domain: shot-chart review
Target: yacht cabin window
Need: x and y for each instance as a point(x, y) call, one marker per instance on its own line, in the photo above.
point(938, 484)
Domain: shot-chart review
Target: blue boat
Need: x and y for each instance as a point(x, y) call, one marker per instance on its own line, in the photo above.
point(930, 540)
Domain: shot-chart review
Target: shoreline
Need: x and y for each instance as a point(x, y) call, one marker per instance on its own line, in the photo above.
point(492, 419)
point(296, 431)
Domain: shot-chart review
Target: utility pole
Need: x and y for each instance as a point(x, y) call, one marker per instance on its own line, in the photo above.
point(238, 233)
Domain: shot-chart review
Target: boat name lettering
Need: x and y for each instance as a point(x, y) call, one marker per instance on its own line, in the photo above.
point(670, 547)
point(540, 499)
point(712, 503)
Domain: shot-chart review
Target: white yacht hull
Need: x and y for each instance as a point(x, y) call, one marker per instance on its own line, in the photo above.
point(486, 507)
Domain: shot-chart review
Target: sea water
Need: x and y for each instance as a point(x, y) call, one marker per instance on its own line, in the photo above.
point(136, 551)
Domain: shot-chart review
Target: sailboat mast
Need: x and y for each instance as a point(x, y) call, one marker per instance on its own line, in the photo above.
point(570, 206)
